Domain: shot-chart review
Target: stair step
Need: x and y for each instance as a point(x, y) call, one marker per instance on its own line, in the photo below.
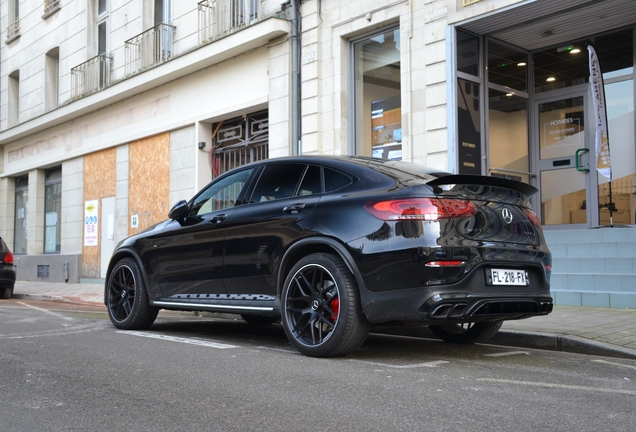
point(601, 235)
point(594, 282)
point(612, 299)
point(594, 265)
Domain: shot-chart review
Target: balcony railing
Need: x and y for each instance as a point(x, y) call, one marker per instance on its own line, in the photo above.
point(51, 6)
point(149, 49)
point(90, 77)
point(219, 18)
point(13, 29)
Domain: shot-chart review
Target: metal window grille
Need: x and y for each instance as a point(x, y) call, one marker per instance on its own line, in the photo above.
point(240, 141)
point(43, 271)
point(219, 18)
point(90, 76)
point(149, 49)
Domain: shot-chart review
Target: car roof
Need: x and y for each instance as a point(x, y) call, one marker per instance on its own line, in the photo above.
point(397, 170)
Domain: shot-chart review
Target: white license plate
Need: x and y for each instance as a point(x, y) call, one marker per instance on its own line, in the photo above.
point(507, 277)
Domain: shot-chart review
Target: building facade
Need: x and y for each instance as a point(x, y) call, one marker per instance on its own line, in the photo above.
point(112, 110)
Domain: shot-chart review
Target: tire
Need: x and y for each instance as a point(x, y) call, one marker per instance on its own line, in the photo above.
point(6, 293)
point(467, 333)
point(321, 311)
point(260, 319)
point(127, 301)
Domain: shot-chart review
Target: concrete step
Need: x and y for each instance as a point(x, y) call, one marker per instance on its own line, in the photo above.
point(596, 282)
point(600, 235)
point(602, 265)
point(610, 299)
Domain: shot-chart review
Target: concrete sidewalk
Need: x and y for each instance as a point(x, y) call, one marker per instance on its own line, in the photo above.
point(585, 330)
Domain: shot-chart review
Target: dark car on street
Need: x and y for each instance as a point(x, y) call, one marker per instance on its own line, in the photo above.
point(7, 271)
point(330, 246)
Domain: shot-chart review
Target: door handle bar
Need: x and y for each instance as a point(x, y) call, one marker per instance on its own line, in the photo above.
point(294, 208)
point(576, 160)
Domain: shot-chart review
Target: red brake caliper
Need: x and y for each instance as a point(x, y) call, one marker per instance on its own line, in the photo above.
point(335, 307)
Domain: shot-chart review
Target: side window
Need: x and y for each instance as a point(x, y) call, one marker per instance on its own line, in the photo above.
point(278, 181)
point(311, 183)
point(221, 194)
point(335, 180)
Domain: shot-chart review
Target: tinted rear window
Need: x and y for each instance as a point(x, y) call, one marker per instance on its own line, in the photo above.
point(335, 180)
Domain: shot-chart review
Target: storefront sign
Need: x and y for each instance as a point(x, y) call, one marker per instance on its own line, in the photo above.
point(469, 131)
point(91, 221)
point(558, 130)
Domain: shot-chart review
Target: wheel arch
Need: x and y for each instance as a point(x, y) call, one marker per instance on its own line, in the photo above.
point(311, 245)
point(118, 256)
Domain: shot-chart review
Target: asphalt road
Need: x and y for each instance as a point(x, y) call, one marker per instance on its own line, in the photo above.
point(67, 369)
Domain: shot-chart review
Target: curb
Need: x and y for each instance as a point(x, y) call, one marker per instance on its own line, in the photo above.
point(39, 297)
point(563, 343)
point(534, 340)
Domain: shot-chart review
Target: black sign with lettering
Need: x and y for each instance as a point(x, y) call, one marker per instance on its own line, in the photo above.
point(469, 128)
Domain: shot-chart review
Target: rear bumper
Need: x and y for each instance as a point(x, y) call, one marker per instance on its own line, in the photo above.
point(470, 300)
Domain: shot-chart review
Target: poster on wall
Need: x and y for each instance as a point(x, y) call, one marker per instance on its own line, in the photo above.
point(50, 242)
point(468, 128)
point(90, 223)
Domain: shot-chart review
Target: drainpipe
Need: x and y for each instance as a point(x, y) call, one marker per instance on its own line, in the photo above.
point(296, 84)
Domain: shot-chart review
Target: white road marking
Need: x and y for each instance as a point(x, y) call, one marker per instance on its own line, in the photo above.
point(559, 386)
point(278, 349)
point(209, 344)
point(418, 365)
point(509, 353)
point(614, 364)
point(46, 311)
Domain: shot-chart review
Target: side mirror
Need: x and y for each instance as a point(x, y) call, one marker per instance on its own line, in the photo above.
point(179, 211)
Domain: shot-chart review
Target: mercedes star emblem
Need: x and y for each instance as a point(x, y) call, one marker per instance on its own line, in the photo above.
point(507, 215)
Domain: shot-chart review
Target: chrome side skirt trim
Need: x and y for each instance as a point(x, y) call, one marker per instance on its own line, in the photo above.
point(211, 306)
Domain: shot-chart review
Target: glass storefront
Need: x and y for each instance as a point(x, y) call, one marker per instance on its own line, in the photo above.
point(20, 231)
point(52, 210)
point(377, 93)
point(533, 128)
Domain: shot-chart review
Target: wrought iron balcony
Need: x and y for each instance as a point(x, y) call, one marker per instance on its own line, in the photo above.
point(51, 6)
point(90, 76)
point(13, 29)
point(219, 18)
point(149, 49)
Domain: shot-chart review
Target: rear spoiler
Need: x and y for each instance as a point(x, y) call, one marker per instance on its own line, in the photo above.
point(461, 179)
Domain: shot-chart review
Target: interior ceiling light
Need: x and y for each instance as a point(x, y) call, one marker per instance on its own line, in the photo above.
point(550, 79)
point(575, 51)
point(566, 48)
point(509, 94)
point(521, 64)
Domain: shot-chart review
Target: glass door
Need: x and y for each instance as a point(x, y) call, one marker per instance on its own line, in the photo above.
point(567, 175)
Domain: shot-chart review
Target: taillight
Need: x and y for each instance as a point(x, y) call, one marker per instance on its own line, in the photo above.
point(8, 258)
point(447, 263)
point(532, 217)
point(427, 209)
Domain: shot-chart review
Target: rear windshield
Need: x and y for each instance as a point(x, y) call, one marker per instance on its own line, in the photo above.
point(406, 171)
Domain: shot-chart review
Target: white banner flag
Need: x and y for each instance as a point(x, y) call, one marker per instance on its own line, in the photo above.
point(600, 116)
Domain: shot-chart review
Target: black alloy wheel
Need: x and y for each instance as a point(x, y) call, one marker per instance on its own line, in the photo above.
point(321, 313)
point(466, 333)
point(127, 302)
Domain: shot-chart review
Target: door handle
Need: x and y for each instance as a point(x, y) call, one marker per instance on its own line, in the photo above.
point(576, 160)
point(294, 208)
point(218, 218)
